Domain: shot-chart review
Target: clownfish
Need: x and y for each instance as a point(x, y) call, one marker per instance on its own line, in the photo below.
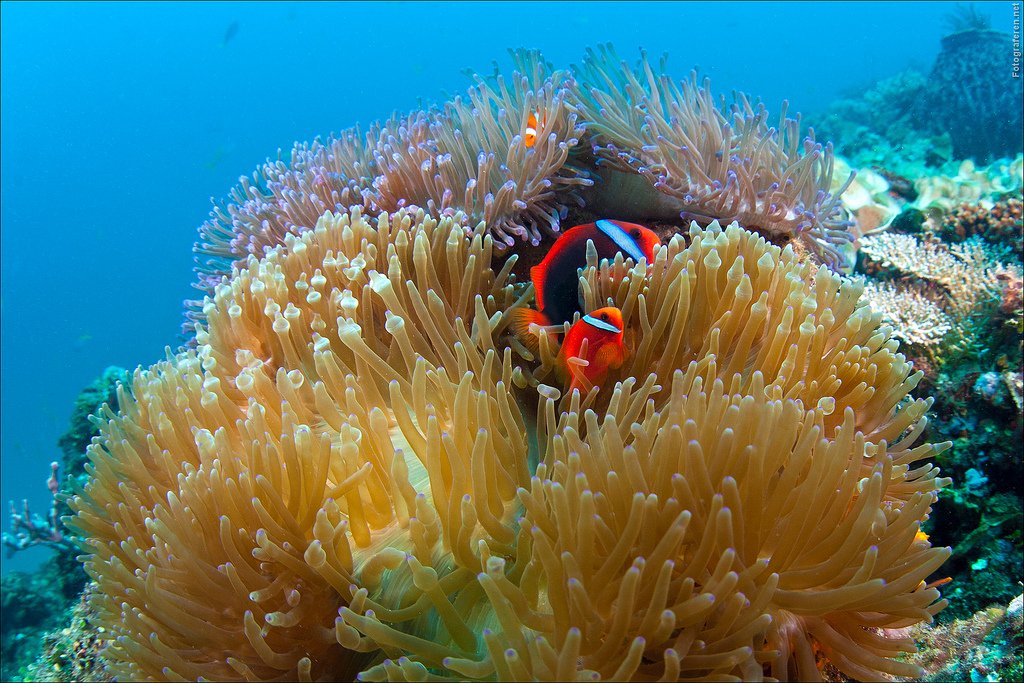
point(530, 134)
point(602, 330)
point(556, 281)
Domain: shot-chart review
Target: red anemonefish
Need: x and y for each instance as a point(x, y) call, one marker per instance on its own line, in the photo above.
point(602, 330)
point(556, 280)
point(530, 134)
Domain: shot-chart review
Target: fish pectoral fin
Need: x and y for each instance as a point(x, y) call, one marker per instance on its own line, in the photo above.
point(520, 320)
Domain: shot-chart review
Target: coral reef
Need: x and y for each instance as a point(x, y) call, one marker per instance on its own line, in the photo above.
point(986, 646)
point(73, 652)
point(1000, 224)
point(947, 276)
point(881, 127)
point(347, 474)
point(964, 328)
point(33, 603)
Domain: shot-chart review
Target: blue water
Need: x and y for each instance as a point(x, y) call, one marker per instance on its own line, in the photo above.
point(120, 121)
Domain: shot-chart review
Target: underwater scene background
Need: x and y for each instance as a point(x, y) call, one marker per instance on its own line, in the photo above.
point(120, 122)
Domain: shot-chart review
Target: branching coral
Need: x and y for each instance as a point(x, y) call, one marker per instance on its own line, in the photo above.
point(968, 272)
point(968, 283)
point(347, 473)
point(716, 164)
point(916, 318)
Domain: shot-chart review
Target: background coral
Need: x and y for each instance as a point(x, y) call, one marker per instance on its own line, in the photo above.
point(879, 125)
point(969, 95)
point(1001, 223)
point(983, 647)
point(34, 603)
point(73, 652)
point(955, 183)
point(969, 279)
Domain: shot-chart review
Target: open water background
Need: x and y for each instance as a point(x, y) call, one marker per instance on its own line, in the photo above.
point(119, 121)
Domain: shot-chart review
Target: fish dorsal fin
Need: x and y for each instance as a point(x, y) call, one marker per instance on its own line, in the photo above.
point(601, 324)
point(621, 238)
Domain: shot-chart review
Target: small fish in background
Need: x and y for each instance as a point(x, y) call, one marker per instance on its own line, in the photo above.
point(556, 278)
point(592, 347)
point(530, 133)
point(219, 155)
point(80, 343)
point(230, 33)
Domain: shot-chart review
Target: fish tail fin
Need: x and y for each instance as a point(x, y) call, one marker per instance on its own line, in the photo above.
point(537, 278)
point(520, 321)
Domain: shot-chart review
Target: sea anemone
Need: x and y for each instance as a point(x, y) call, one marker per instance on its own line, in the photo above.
point(355, 471)
point(472, 157)
point(467, 158)
point(248, 485)
point(724, 164)
point(656, 149)
point(281, 199)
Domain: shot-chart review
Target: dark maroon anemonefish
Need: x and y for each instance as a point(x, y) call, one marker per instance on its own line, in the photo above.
point(556, 278)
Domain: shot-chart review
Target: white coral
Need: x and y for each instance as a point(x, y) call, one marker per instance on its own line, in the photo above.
point(915, 318)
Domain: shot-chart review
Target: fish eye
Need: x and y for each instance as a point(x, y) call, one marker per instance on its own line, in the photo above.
point(604, 317)
point(634, 232)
